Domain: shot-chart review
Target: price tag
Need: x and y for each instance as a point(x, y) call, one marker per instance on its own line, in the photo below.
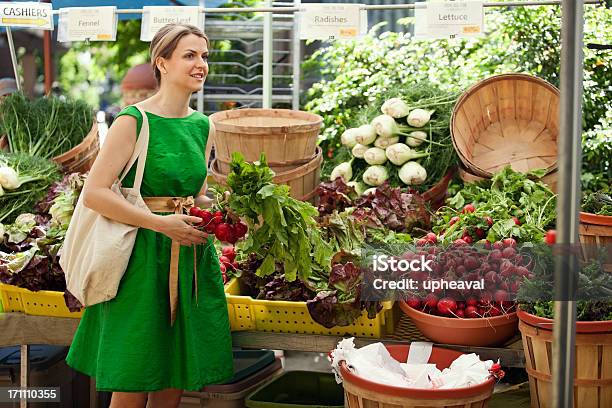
point(332, 21)
point(155, 17)
point(87, 23)
point(28, 14)
point(449, 19)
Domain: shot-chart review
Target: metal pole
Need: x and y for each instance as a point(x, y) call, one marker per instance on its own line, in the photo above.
point(568, 203)
point(200, 98)
point(268, 56)
point(9, 36)
point(297, 57)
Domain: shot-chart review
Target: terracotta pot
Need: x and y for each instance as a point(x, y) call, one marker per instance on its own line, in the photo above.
point(361, 393)
point(593, 372)
point(482, 332)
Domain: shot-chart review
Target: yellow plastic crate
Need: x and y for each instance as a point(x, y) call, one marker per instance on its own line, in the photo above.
point(46, 303)
point(11, 298)
point(276, 316)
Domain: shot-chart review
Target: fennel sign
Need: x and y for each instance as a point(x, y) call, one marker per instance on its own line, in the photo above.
point(332, 21)
point(449, 19)
point(28, 15)
point(87, 23)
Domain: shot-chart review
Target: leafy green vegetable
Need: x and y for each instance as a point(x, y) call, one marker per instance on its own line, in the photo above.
point(39, 175)
point(599, 202)
point(282, 229)
point(508, 194)
point(46, 127)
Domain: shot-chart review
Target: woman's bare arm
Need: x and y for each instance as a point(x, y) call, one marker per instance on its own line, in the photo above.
point(112, 158)
point(202, 200)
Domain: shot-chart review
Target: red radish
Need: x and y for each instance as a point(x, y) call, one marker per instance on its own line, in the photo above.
point(498, 245)
point(551, 237)
point(471, 312)
point(422, 242)
point(223, 232)
point(217, 217)
point(516, 221)
point(431, 237)
point(500, 296)
point(235, 265)
point(487, 244)
point(431, 301)
point(522, 271)
point(485, 299)
point(222, 267)
point(467, 239)
point(469, 208)
point(471, 301)
point(509, 242)
point(229, 252)
point(447, 306)
point(224, 259)
point(471, 263)
point(480, 233)
point(195, 212)
point(241, 229)
point(515, 286)
point(460, 313)
point(495, 311)
point(460, 271)
point(508, 253)
point(489, 221)
point(453, 220)
point(414, 302)
point(460, 304)
point(496, 254)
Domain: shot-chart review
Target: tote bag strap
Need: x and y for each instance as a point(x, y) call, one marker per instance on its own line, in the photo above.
point(140, 152)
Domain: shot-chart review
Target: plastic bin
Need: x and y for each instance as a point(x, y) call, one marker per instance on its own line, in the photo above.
point(11, 298)
point(232, 395)
point(47, 369)
point(299, 389)
point(277, 316)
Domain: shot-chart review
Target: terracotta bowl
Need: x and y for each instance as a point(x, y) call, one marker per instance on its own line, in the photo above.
point(483, 332)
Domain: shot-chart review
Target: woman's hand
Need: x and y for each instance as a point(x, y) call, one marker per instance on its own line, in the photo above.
point(179, 227)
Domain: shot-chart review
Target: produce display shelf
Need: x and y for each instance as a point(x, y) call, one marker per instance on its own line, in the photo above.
point(41, 303)
point(246, 313)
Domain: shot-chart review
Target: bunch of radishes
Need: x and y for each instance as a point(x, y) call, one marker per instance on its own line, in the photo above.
point(227, 261)
point(502, 268)
point(227, 228)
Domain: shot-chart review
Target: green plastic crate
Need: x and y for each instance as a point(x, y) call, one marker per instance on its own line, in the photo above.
point(299, 389)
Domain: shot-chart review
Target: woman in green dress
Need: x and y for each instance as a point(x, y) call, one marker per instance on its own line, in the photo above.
point(141, 345)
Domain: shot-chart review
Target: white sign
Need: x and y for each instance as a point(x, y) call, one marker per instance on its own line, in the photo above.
point(155, 17)
point(87, 23)
point(449, 19)
point(332, 21)
point(29, 15)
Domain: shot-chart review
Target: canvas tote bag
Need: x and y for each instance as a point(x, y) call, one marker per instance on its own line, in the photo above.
point(96, 249)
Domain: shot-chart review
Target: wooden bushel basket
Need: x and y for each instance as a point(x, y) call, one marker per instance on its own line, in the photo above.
point(302, 180)
point(509, 119)
point(595, 233)
point(81, 157)
point(593, 374)
point(287, 137)
point(362, 393)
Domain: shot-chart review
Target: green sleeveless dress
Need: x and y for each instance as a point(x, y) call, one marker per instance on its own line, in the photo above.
point(127, 343)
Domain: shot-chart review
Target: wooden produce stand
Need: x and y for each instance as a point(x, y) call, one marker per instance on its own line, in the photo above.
point(22, 329)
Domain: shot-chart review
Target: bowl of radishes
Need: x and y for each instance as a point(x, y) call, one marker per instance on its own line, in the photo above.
point(470, 330)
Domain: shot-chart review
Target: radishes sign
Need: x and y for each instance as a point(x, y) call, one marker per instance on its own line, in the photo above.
point(29, 15)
